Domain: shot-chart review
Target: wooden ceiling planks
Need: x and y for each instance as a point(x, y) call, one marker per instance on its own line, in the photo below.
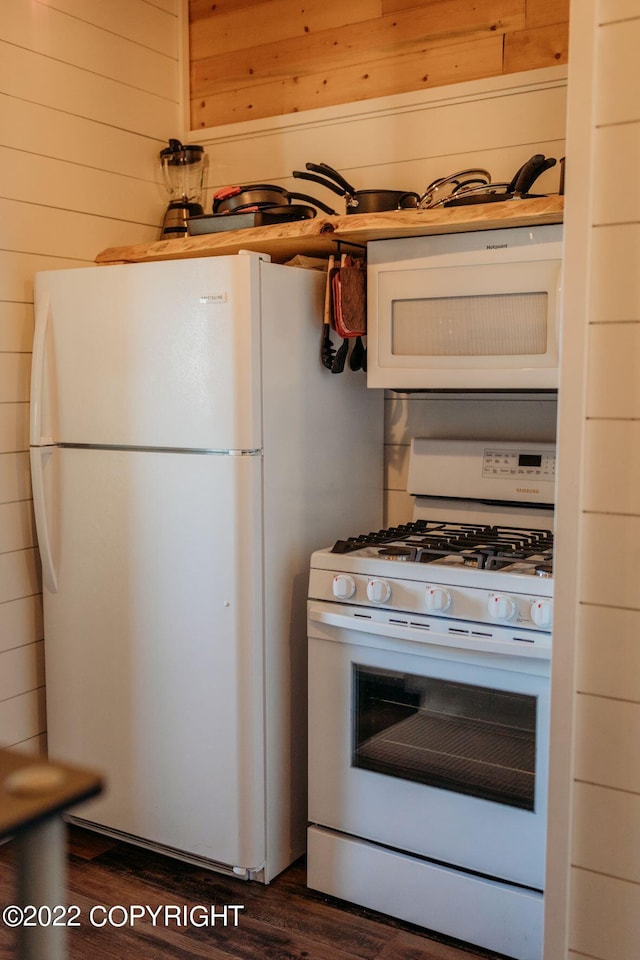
point(251, 59)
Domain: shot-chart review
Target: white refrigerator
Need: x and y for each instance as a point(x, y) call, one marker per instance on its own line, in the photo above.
point(189, 452)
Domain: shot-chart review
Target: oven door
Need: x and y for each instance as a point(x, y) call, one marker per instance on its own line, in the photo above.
point(428, 748)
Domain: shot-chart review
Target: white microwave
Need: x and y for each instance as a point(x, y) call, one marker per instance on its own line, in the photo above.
point(465, 311)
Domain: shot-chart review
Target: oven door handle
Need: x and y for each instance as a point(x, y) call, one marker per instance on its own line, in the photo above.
point(458, 637)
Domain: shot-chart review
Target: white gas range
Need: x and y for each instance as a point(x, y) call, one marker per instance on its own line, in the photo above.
point(429, 669)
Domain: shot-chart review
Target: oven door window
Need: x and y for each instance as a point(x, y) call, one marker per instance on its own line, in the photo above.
point(456, 736)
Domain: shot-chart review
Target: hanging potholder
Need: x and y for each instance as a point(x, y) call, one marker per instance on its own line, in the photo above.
point(350, 301)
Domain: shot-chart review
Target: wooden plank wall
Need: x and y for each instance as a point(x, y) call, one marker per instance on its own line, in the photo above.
point(597, 672)
point(88, 96)
point(262, 58)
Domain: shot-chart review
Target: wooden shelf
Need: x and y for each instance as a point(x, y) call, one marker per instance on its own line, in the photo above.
point(319, 237)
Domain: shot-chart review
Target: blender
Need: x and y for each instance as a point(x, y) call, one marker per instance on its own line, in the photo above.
point(183, 172)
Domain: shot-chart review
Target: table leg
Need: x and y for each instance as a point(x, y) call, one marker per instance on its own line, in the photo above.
point(41, 868)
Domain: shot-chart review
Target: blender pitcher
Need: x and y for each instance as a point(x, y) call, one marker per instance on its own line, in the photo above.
point(183, 172)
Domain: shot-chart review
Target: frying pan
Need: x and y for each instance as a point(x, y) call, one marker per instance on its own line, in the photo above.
point(317, 203)
point(357, 201)
point(239, 198)
point(250, 217)
point(441, 189)
point(519, 185)
point(261, 196)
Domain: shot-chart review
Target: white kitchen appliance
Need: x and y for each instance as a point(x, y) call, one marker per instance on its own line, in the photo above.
point(189, 451)
point(466, 311)
point(429, 674)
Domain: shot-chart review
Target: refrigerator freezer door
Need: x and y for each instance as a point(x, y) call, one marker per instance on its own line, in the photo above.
point(154, 645)
point(150, 354)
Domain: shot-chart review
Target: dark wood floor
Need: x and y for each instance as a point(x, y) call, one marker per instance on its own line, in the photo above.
point(282, 921)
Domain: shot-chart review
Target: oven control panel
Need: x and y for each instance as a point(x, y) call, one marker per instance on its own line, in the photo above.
point(512, 472)
point(529, 465)
point(521, 608)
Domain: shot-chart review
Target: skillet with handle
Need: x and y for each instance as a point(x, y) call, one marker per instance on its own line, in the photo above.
point(519, 185)
point(442, 188)
point(357, 201)
point(261, 196)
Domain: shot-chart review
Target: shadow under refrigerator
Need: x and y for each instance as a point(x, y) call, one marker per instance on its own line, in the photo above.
point(188, 454)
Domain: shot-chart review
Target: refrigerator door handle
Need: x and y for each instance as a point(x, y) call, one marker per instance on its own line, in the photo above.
point(49, 576)
point(37, 371)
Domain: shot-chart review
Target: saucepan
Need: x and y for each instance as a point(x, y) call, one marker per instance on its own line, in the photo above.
point(357, 201)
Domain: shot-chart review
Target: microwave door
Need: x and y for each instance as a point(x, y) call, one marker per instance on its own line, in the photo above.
point(464, 326)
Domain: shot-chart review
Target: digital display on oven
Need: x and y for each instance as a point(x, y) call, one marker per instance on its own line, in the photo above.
point(529, 460)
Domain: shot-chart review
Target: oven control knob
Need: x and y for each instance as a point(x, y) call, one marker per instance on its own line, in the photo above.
point(542, 613)
point(344, 586)
point(437, 599)
point(501, 607)
point(378, 591)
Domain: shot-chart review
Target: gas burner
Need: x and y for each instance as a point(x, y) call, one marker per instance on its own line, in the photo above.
point(396, 553)
point(477, 545)
point(378, 539)
point(470, 559)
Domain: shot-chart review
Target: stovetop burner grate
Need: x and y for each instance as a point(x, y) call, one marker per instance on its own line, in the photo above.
point(482, 546)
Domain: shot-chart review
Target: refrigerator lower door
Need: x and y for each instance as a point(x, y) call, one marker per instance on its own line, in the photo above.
point(154, 642)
